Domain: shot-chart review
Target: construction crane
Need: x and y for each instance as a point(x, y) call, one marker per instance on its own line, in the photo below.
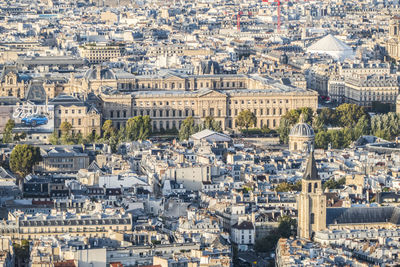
point(278, 2)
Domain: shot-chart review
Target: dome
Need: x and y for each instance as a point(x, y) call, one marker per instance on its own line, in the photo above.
point(210, 67)
point(302, 130)
point(99, 73)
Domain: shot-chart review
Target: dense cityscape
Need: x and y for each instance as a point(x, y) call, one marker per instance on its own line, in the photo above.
point(200, 133)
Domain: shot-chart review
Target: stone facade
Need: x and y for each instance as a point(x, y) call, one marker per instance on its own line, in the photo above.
point(311, 203)
point(393, 44)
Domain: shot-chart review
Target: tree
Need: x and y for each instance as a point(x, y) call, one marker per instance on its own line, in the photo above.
point(322, 139)
point(326, 117)
point(337, 138)
point(284, 130)
point(188, 128)
point(286, 187)
point(21, 253)
point(65, 127)
point(108, 129)
point(286, 228)
point(212, 124)
point(386, 126)
point(363, 126)
point(23, 158)
point(66, 136)
point(333, 184)
point(350, 114)
point(53, 139)
point(294, 114)
point(138, 128)
point(246, 119)
point(8, 135)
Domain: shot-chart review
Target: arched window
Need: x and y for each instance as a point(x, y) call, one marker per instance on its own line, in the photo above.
point(309, 188)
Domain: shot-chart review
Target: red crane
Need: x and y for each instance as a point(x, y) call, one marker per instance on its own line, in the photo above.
point(278, 2)
point(238, 20)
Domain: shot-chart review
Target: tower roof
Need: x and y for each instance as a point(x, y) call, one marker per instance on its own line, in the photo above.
point(311, 172)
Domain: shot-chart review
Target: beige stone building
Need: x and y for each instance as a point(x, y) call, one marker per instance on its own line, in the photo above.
point(12, 84)
point(169, 98)
point(366, 89)
point(314, 216)
point(87, 225)
point(84, 117)
point(393, 44)
point(98, 53)
point(311, 202)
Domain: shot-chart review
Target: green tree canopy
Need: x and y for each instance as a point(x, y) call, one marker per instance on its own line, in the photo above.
point(386, 126)
point(23, 158)
point(333, 184)
point(290, 119)
point(188, 128)
point(8, 135)
point(286, 187)
point(108, 129)
point(246, 119)
point(350, 114)
point(286, 228)
point(138, 128)
point(66, 135)
point(212, 124)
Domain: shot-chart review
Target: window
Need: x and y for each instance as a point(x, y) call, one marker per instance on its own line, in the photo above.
point(312, 218)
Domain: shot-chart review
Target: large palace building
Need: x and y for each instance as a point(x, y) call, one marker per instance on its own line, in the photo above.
point(169, 97)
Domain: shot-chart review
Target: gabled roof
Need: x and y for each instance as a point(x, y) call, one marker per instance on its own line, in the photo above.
point(209, 135)
point(93, 167)
point(362, 215)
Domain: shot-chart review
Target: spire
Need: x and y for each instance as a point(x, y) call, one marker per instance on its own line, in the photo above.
point(302, 119)
point(311, 172)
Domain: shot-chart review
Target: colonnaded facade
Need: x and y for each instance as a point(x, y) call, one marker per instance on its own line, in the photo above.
point(167, 96)
point(221, 96)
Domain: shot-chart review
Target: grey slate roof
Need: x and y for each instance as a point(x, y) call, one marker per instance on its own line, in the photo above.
point(362, 215)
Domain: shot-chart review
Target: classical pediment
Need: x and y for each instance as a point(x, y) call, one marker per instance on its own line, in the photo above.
point(211, 94)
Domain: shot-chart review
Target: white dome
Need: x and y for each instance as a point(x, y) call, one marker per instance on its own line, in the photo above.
point(302, 129)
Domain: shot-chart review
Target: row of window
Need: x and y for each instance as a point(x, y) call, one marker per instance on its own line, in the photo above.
point(66, 111)
point(236, 102)
point(196, 85)
point(210, 112)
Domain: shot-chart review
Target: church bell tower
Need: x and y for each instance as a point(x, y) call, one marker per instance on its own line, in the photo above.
point(311, 203)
